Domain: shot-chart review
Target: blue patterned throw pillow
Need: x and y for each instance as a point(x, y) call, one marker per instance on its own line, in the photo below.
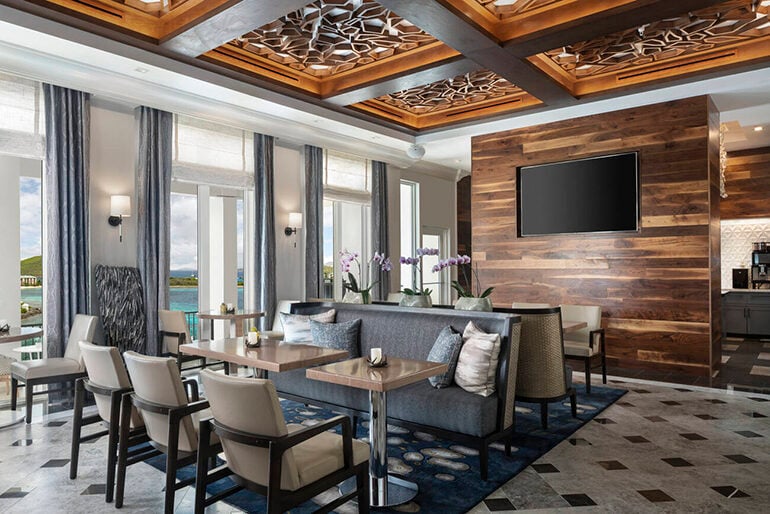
point(445, 350)
point(337, 336)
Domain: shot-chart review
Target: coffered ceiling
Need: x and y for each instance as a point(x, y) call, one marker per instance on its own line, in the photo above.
point(421, 65)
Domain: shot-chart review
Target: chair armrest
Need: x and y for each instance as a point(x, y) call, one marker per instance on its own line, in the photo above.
point(303, 435)
point(192, 393)
point(592, 338)
point(186, 410)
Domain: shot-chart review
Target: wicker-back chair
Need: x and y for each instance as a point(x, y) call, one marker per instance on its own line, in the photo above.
point(542, 376)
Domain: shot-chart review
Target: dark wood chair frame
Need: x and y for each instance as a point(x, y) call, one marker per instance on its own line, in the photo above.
point(30, 384)
point(587, 359)
point(279, 500)
point(181, 359)
point(175, 458)
point(137, 436)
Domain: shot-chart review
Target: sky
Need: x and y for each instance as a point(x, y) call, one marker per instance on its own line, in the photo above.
point(184, 232)
point(31, 219)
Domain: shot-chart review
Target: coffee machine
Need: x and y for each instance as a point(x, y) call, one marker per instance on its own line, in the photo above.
point(760, 265)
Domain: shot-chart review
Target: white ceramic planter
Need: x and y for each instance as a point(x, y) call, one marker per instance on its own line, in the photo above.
point(415, 300)
point(474, 304)
point(359, 298)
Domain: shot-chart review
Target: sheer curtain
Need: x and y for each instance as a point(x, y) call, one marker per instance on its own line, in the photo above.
point(65, 183)
point(380, 236)
point(314, 205)
point(264, 237)
point(153, 206)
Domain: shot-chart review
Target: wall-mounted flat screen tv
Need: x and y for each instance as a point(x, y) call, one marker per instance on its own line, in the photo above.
point(599, 194)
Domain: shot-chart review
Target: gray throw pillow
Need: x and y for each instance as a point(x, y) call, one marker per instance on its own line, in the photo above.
point(296, 327)
point(337, 336)
point(445, 350)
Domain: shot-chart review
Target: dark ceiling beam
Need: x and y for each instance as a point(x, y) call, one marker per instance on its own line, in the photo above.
point(457, 32)
point(603, 23)
point(233, 21)
point(392, 84)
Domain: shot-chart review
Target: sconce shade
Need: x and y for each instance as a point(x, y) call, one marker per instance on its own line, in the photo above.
point(295, 219)
point(120, 205)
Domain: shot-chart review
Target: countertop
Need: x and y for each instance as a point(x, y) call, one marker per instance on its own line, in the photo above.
point(752, 291)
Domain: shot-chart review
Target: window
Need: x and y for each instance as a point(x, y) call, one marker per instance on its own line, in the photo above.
point(22, 126)
point(438, 282)
point(31, 247)
point(213, 173)
point(410, 192)
point(346, 223)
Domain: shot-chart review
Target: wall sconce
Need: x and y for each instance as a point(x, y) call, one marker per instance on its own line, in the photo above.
point(295, 222)
point(120, 207)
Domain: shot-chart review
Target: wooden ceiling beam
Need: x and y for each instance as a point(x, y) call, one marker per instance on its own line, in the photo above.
point(456, 31)
point(412, 78)
point(603, 23)
point(231, 20)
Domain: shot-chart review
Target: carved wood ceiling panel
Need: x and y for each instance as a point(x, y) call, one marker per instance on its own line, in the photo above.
point(331, 36)
point(445, 94)
point(504, 9)
point(692, 33)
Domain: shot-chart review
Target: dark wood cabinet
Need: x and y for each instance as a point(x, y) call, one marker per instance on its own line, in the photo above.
point(746, 313)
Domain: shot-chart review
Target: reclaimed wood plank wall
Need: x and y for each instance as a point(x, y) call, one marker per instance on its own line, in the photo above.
point(747, 180)
point(655, 285)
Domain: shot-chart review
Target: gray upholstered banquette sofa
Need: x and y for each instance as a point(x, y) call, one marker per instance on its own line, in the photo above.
point(451, 412)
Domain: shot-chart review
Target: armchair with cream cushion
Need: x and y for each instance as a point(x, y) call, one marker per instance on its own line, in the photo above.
point(174, 332)
point(53, 370)
point(287, 463)
point(586, 344)
point(170, 417)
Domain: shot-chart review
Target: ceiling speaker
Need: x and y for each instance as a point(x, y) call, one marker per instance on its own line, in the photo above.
point(415, 151)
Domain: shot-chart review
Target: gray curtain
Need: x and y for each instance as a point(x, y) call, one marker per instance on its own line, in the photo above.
point(314, 205)
point(153, 205)
point(65, 183)
point(380, 238)
point(264, 226)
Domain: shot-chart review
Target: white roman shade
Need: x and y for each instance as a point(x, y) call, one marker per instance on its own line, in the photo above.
point(346, 177)
point(212, 154)
point(22, 127)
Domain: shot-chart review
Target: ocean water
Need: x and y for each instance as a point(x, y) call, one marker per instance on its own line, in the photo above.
point(181, 299)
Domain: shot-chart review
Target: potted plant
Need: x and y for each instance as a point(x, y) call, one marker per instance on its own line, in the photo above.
point(356, 291)
point(417, 295)
point(467, 300)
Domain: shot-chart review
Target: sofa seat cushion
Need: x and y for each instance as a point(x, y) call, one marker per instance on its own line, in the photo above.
point(450, 408)
point(295, 382)
point(46, 368)
point(579, 349)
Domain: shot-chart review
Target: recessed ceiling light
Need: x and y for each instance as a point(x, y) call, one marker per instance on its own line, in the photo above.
point(758, 128)
point(500, 3)
point(141, 70)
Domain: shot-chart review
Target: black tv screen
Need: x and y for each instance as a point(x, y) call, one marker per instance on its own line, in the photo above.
point(600, 194)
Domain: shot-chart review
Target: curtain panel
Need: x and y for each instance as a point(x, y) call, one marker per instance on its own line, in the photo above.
point(67, 273)
point(264, 225)
point(314, 205)
point(153, 206)
point(380, 236)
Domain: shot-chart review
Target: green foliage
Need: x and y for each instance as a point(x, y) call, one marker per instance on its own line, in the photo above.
point(417, 292)
point(32, 266)
point(183, 281)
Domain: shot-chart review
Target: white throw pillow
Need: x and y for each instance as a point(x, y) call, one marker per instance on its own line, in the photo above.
point(477, 364)
point(296, 327)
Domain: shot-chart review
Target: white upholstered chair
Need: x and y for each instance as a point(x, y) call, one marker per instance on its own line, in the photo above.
point(174, 332)
point(108, 381)
point(53, 370)
point(170, 417)
point(586, 344)
point(287, 463)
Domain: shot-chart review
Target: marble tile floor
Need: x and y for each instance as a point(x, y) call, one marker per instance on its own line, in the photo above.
point(661, 448)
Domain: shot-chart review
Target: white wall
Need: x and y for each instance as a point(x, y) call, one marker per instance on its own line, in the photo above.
point(112, 172)
point(737, 236)
point(289, 197)
point(10, 170)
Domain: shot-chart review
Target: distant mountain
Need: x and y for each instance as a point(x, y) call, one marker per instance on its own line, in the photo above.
point(183, 273)
point(32, 266)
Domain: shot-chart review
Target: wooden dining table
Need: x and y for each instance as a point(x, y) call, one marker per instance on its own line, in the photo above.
point(271, 355)
point(236, 319)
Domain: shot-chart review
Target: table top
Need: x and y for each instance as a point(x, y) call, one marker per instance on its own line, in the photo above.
point(238, 314)
point(357, 373)
point(272, 355)
point(572, 326)
point(16, 334)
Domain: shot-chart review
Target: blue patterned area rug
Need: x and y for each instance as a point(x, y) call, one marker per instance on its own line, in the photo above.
point(447, 472)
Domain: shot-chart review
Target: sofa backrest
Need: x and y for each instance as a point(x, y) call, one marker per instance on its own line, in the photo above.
point(410, 333)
